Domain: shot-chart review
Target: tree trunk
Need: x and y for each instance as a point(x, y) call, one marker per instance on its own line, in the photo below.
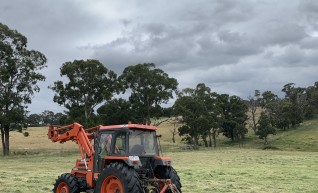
point(265, 140)
point(148, 122)
point(2, 140)
point(214, 138)
point(173, 139)
point(254, 121)
point(174, 132)
point(210, 138)
point(173, 135)
point(5, 140)
point(205, 142)
point(196, 142)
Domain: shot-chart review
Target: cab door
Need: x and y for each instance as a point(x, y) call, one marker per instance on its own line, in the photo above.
point(103, 145)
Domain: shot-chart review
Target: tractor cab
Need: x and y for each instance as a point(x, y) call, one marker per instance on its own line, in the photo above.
point(127, 142)
point(134, 145)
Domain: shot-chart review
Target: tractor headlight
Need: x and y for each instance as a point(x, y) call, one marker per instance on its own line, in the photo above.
point(134, 160)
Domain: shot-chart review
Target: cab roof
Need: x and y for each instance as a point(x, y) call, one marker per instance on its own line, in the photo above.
point(128, 126)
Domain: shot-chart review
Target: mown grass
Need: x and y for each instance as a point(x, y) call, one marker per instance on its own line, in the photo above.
point(36, 162)
point(219, 170)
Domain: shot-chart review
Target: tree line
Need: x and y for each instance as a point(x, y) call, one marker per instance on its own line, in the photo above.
point(91, 94)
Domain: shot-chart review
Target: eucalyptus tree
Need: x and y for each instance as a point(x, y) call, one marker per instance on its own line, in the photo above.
point(311, 108)
point(254, 105)
point(150, 87)
point(117, 111)
point(200, 114)
point(34, 120)
point(265, 128)
point(297, 98)
point(19, 76)
point(89, 83)
point(234, 114)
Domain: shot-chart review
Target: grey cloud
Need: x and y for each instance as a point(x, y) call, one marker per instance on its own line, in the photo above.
point(309, 43)
point(292, 55)
point(280, 32)
point(309, 9)
point(218, 13)
point(233, 46)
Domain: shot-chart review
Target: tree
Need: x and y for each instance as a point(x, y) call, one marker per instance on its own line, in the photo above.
point(117, 111)
point(48, 117)
point(19, 75)
point(150, 87)
point(264, 127)
point(89, 83)
point(200, 114)
point(190, 109)
point(175, 121)
point(254, 103)
point(311, 108)
point(34, 120)
point(60, 119)
point(267, 98)
point(234, 116)
point(279, 113)
point(297, 99)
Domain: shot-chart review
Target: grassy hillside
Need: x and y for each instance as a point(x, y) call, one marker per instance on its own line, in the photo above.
point(302, 138)
point(37, 163)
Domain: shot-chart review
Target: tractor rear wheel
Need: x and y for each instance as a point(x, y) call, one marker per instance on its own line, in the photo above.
point(167, 172)
point(66, 183)
point(118, 178)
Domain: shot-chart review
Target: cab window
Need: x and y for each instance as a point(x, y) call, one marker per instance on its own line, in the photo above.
point(105, 144)
point(120, 144)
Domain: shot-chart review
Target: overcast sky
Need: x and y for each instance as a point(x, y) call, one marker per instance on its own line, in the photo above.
point(233, 46)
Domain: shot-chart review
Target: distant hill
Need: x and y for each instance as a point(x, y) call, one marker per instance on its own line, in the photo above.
point(302, 138)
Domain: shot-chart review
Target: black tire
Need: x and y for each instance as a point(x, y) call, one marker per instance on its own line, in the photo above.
point(128, 178)
point(167, 172)
point(68, 181)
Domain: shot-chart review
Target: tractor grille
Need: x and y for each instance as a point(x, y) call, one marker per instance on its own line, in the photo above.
point(147, 168)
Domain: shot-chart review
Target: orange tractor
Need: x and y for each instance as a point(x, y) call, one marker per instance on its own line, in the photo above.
point(115, 159)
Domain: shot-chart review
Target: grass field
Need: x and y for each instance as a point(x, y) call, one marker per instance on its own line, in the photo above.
point(221, 170)
point(36, 162)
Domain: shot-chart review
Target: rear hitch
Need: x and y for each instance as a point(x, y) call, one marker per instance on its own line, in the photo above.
point(169, 185)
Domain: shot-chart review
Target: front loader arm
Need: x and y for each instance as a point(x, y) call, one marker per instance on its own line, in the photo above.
point(74, 132)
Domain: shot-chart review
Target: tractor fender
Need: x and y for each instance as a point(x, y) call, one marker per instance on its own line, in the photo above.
point(163, 161)
point(131, 161)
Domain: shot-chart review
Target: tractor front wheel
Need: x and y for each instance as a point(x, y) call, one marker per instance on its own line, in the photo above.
point(167, 172)
point(118, 178)
point(66, 183)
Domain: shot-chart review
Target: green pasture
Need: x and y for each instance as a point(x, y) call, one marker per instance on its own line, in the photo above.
point(219, 170)
point(35, 162)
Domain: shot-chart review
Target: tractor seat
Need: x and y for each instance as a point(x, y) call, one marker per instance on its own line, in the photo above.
point(137, 150)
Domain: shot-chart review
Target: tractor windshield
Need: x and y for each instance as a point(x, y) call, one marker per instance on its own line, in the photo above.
point(143, 142)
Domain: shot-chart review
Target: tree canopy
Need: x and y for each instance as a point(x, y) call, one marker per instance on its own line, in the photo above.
point(150, 87)
point(89, 84)
point(19, 75)
point(200, 114)
point(117, 111)
point(264, 127)
point(234, 116)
